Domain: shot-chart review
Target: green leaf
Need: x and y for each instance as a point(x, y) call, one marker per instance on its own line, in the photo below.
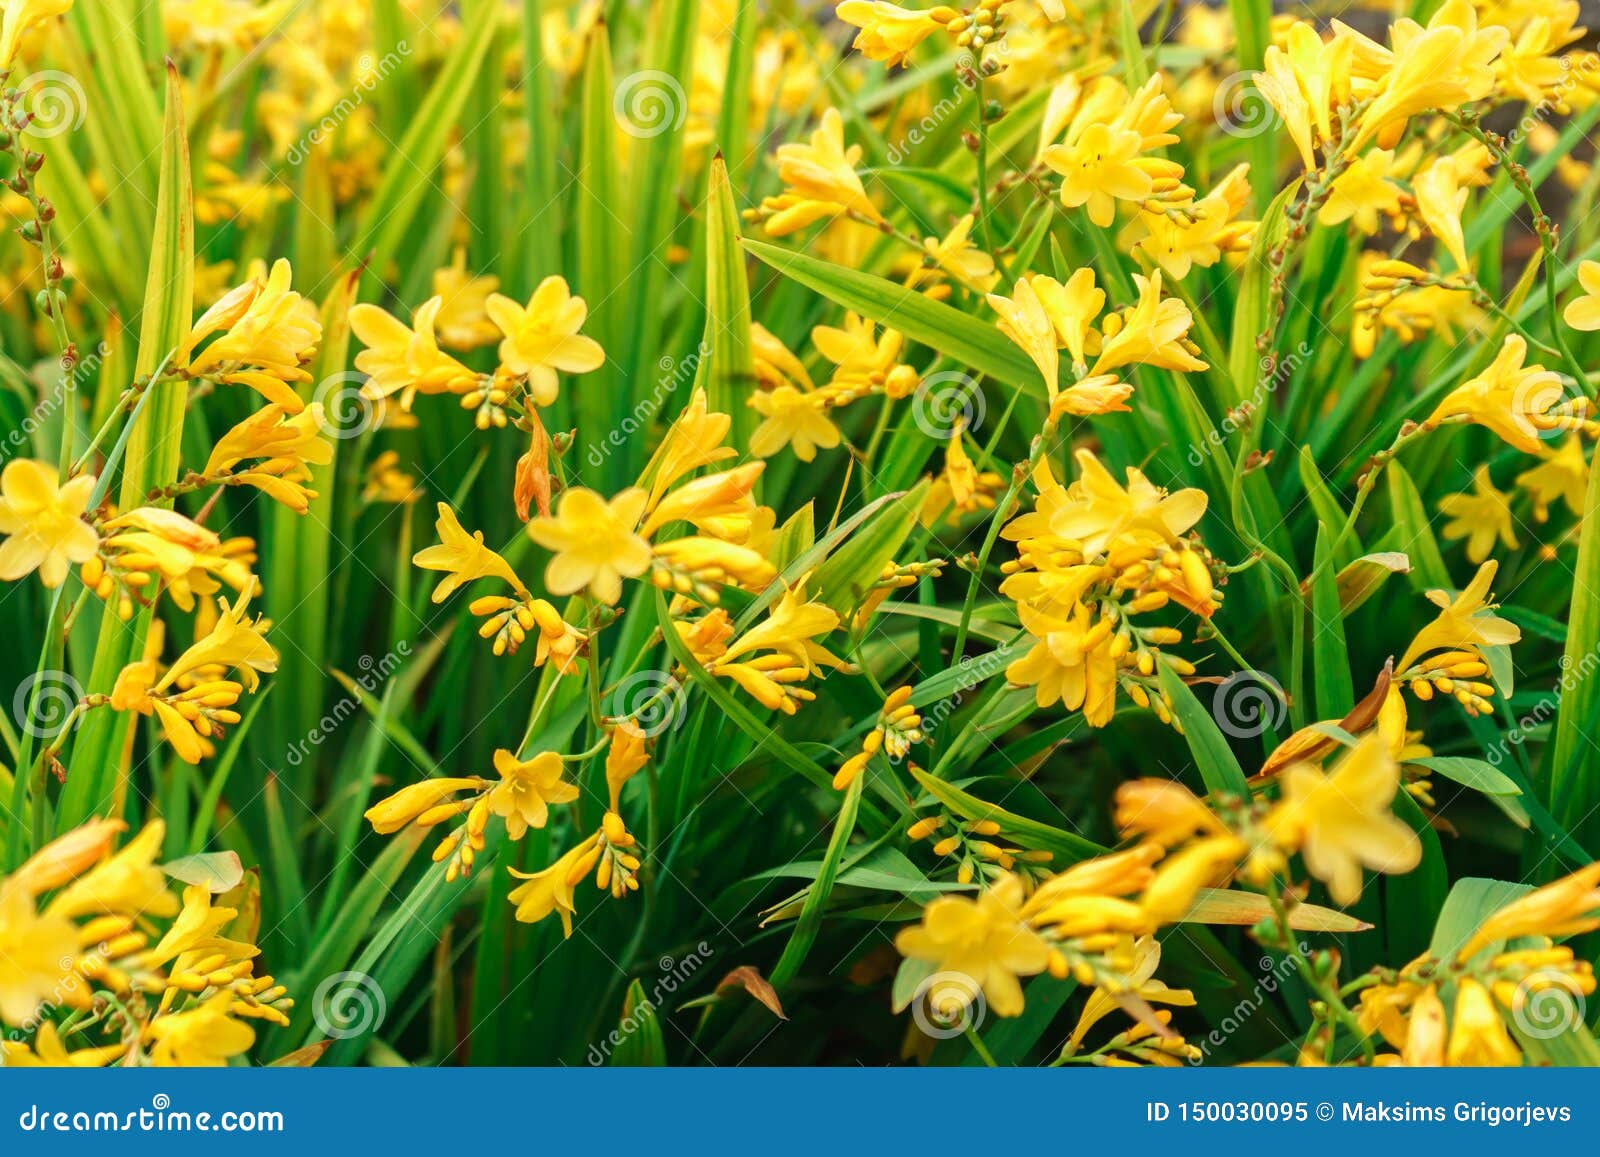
point(844, 581)
point(810, 921)
point(154, 434)
point(955, 334)
point(1330, 658)
point(1472, 900)
point(1252, 312)
point(1218, 766)
point(730, 365)
point(1574, 772)
point(1069, 848)
point(639, 1042)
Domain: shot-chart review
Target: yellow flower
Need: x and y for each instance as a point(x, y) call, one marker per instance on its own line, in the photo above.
point(1445, 65)
point(129, 883)
point(1426, 1031)
point(1162, 810)
point(44, 521)
point(1477, 1034)
point(289, 444)
point(49, 1052)
point(527, 789)
point(204, 1036)
point(983, 939)
point(1465, 623)
point(407, 805)
point(1151, 333)
point(1098, 510)
point(1180, 234)
point(1363, 192)
point(1440, 199)
point(190, 558)
point(551, 890)
point(265, 333)
point(406, 360)
point(793, 419)
point(1024, 320)
point(463, 557)
point(1479, 517)
point(67, 857)
point(1304, 81)
point(1568, 907)
point(21, 15)
point(820, 176)
point(1522, 404)
point(462, 322)
point(37, 951)
point(596, 543)
point(1563, 475)
point(1140, 983)
point(542, 337)
point(694, 439)
point(1100, 160)
point(1340, 822)
point(1583, 311)
point(890, 33)
point(624, 757)
point(1070, 662)
point(963, 261)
